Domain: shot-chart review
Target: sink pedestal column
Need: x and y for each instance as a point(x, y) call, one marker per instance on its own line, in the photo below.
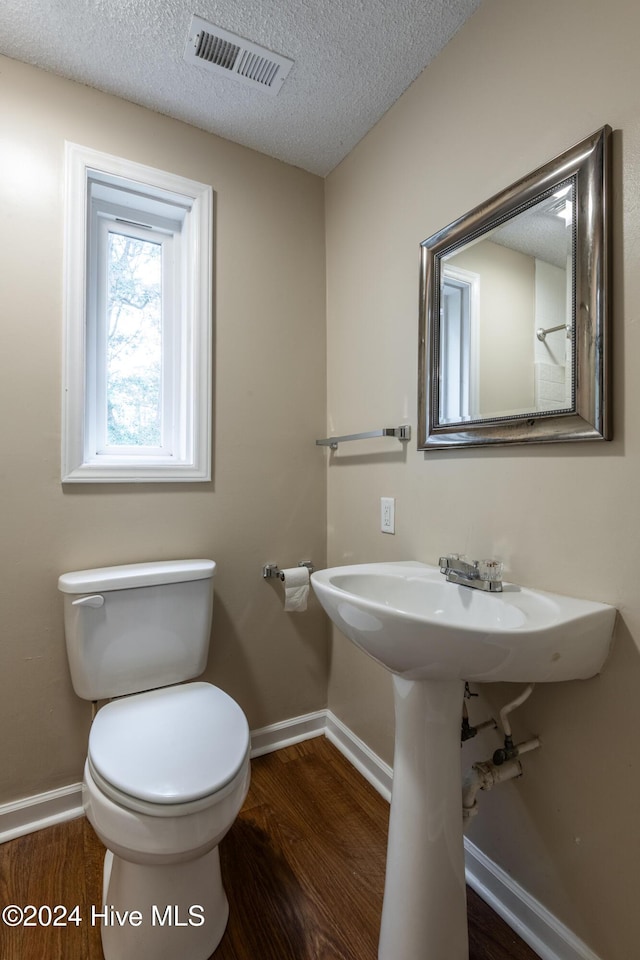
point(424, 916)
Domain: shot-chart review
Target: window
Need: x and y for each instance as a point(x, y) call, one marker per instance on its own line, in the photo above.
point(138, 337)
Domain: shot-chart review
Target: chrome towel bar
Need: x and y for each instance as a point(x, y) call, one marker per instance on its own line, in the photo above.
point(400, 433)
point(541, 332)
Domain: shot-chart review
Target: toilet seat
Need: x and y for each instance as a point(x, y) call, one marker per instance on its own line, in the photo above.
point(168, 810)
point(168, 751)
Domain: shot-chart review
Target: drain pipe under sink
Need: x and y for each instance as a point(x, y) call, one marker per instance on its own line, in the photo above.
point(505, 764)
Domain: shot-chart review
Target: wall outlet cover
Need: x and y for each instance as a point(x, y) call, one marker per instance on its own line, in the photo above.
point(387, 514)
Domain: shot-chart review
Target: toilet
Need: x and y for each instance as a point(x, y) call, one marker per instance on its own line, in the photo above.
point(167, 769)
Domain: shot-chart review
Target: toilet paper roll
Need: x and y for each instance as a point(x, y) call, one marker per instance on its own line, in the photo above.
point(296, 588)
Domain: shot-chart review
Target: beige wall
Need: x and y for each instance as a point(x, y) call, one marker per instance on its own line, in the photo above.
point(519, 84)
point(267, 499)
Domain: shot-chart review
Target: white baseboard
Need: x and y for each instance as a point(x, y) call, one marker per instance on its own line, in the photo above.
point(325, 723)
point(376, 771)
point(533, 923)
point(283, 734)
point(544, 933)
point(42, 810)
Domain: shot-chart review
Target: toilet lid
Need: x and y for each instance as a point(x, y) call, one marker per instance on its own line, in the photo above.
point(171, 745)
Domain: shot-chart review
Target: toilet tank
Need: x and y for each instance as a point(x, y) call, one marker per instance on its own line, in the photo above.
point(137, 627)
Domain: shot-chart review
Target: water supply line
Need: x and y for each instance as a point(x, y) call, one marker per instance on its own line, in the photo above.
point(505, 764)
point(510, 750)
point(510, 707)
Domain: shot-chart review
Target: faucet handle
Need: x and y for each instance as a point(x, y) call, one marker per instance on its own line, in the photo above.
point(490, 570)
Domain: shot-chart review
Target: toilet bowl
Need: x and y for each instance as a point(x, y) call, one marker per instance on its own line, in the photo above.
point(166, 775)
point(167, 769)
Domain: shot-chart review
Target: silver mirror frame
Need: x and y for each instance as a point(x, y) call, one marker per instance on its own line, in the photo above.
point(587, 166)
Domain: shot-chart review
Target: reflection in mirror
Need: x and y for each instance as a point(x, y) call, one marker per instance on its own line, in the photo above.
point(496, 293)
point(513, 312)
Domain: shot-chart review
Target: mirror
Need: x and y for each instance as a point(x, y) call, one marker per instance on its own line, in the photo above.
point(514, 315)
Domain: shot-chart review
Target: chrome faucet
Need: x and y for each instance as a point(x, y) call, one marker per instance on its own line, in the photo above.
point(478, 574)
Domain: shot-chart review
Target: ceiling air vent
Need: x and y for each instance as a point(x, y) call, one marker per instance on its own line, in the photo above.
point(228, 55)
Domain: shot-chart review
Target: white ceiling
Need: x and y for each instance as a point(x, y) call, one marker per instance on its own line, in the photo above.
point(353, 59)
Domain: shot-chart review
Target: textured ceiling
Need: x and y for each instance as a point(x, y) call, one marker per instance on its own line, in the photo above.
point(353, 59)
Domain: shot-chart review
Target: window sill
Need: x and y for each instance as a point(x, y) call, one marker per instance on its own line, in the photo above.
point(149, 472)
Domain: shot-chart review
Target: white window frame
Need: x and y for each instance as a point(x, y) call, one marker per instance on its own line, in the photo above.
point(466, 352)
point(104, 221)
point(178, 212)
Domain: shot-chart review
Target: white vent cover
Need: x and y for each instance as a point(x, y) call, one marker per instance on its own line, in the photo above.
point(231, 56)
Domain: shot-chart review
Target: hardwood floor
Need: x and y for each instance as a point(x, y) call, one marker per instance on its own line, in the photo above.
point(303, 868)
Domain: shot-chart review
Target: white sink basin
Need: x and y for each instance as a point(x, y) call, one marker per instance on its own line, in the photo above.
point(433, 635)
point(406, 616)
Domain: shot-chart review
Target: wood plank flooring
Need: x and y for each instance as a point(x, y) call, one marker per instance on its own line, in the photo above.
point(303, 867)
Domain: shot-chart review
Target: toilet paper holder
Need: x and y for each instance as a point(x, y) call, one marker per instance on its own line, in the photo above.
point(272, 570)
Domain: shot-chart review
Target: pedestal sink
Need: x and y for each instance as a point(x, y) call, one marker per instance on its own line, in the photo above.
point(433, 636)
